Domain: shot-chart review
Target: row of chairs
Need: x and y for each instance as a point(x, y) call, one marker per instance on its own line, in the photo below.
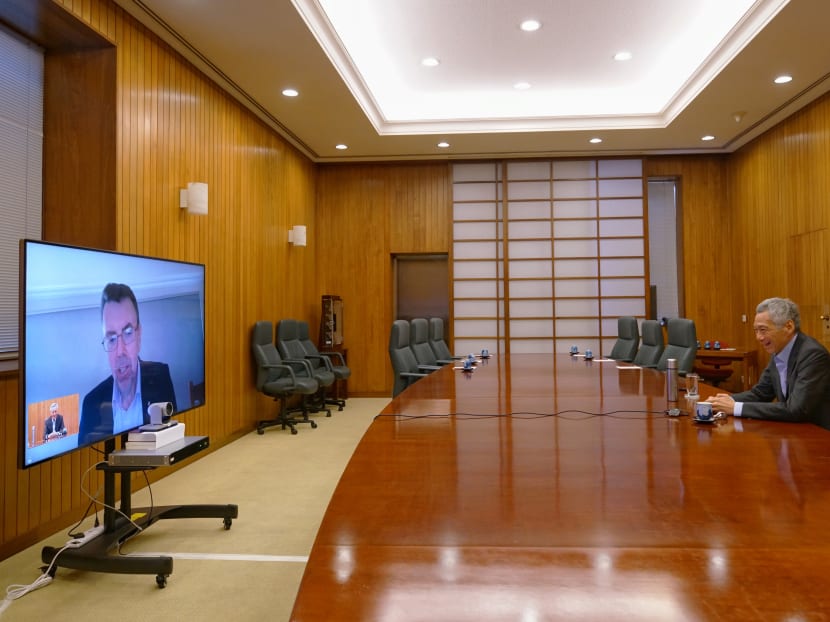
point(416, 348)
point(654, 351)
point(294, 366)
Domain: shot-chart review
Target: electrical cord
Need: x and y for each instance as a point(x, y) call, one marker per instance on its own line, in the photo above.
point(562, 414)
point(15, 591)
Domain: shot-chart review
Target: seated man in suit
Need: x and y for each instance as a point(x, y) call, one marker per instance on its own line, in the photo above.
point(795, 386)
point(54, 426)
point(119, 403)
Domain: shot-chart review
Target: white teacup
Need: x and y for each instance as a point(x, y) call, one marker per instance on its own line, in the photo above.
point(703, 411)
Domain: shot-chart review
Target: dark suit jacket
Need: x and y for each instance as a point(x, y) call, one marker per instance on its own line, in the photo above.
point(59, 427)
point(808, 387)
point(96, 413)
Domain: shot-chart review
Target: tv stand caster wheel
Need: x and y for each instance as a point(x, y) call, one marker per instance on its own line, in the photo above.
point(227, 522)
point(313, 424)
point(293, 430)
point(161, 581)
point(260, 431)
point(340, 408)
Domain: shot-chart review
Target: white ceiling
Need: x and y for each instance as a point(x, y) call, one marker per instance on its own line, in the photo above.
point(698, 67)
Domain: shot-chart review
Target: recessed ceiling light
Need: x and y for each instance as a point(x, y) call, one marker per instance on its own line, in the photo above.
point(341, 146)
point(783, 79)
point(443, 144)
point(707, 137)
point(290, 92)
point(530, 25)
point(521, 86)
point(595, 140)
point(622, 55)
point(430, 61)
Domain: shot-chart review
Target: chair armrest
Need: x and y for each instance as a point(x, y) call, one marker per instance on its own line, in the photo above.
point(429, 367)
point(320, 357)
point(302, 362)
point(287, 368)
point(336, 355)
point(412, 374)
point(444, 361)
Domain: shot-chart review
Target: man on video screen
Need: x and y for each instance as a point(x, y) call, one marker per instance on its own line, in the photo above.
point(120, 402)
point(54, 426)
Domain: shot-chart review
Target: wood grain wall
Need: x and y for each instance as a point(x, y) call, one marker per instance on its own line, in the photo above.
point(706, 242)
point(367, 213)
point(173, 126)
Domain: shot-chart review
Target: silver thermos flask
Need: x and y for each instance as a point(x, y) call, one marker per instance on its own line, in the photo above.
point(671, 380)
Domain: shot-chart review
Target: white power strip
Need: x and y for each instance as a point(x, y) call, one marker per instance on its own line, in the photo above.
point(89, 534)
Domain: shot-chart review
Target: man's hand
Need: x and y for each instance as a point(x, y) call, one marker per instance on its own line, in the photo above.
point(722, 402)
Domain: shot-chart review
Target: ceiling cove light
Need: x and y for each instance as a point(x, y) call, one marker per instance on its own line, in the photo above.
point(783, 79)
point(530, 25)
point(443, 144)
point(341, 146)
point(595, 141)
point(707, 137)
point(290, 92)
point(622, 56)
point(430, 61)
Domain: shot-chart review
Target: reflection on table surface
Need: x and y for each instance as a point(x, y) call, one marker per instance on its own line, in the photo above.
point(544, 487)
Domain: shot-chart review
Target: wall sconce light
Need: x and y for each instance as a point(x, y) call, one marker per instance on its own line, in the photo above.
point(194, 198)
point(296, 235)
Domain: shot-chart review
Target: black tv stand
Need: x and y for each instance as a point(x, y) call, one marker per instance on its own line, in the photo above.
point(96, 554)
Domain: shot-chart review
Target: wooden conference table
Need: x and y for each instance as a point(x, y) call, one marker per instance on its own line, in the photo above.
point(543, 487)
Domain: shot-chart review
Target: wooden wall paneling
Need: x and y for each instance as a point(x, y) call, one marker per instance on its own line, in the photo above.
point(79, 140)
point(367, 212)
point(708, 245)
point(8, 445)
point(778, 189)
point(172, 125)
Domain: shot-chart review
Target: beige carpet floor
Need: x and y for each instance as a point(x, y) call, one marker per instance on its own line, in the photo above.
point(282, 484)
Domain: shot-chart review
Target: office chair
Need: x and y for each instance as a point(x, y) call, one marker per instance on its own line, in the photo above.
point(628, 339)
point(277, 380)
point(681, 345)
point(419, 342)
point(403, 360)
point(437, 343)
point(333, 361)
point(293, 353)
point(652, 346)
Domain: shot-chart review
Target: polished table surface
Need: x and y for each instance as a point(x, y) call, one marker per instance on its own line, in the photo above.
point(546, 487)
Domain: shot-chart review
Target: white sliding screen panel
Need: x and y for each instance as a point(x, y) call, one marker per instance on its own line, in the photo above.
point(547, 254)
point(478, 258)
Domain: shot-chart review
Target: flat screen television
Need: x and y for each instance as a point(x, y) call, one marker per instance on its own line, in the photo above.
point(102, 336)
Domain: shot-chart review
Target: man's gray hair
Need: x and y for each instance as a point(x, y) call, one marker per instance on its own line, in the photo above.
point(780, 310)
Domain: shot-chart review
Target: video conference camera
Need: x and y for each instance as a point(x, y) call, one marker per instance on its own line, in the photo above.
point(160, 412)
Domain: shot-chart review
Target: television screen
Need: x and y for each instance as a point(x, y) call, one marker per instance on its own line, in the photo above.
point(102, 336)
